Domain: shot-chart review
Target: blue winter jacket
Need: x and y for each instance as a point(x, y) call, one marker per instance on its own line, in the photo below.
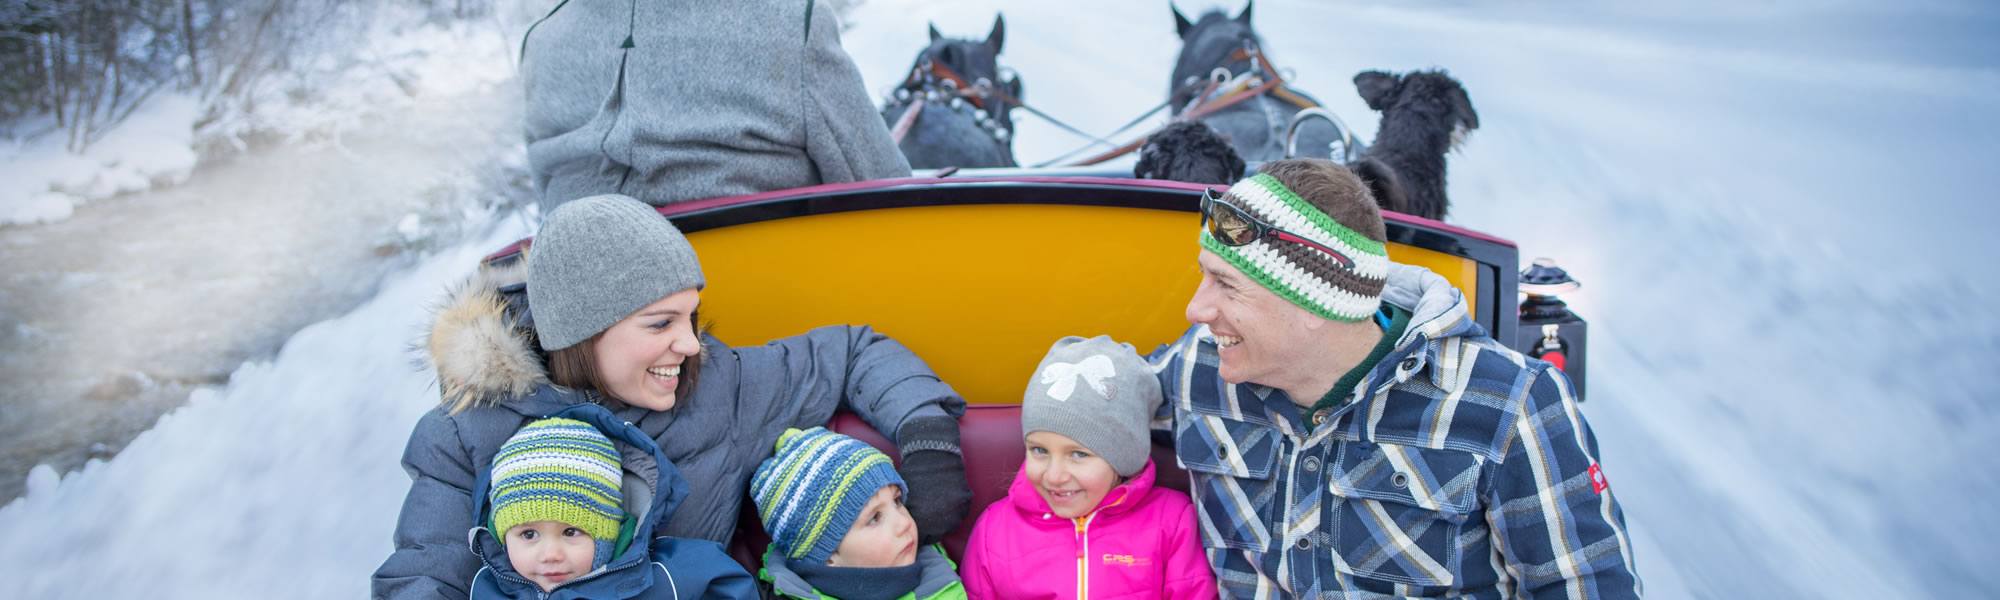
point(651, 567)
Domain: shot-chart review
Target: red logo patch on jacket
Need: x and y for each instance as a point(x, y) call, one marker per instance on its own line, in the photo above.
point(1597, 482)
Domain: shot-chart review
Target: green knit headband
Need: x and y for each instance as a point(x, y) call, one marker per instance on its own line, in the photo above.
point(1302, 274)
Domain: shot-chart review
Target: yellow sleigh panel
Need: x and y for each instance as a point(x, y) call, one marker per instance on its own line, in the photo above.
point(979, 290)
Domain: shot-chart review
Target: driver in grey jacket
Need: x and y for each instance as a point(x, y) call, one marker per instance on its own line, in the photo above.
point(675, 101)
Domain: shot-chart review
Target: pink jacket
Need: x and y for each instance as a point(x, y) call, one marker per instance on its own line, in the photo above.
point(1140, 543)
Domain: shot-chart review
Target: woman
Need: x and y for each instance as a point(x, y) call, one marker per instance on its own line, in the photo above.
point(615, 292)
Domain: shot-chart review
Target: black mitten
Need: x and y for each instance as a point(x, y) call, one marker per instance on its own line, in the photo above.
point(934, 469)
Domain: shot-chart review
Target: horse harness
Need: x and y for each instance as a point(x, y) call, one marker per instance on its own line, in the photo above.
point(932, 81)
point(1273, 82)
point(1260, 79)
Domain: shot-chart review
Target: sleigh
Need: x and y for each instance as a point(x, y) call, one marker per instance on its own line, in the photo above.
point(979, 272)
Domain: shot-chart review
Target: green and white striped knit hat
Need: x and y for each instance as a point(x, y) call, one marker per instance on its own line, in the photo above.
point(813, 488)
point(1301, 274)
point(560, 470)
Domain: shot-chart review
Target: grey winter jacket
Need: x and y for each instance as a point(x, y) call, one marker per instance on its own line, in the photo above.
point(674, 101)
point(744, 399)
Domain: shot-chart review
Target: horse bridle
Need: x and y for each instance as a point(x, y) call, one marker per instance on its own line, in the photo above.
point(980, 93)
point(1274, 80)
point(1273, 83)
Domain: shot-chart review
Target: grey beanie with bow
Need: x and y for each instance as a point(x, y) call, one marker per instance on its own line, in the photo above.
point(1099, 393)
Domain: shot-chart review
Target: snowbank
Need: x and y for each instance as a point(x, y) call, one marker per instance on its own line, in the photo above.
point(160, 144)
point(154, 146)
point(395, 67)
point(254, 489)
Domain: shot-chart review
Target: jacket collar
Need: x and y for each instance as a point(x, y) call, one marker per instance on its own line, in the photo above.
point(1437, 314)
point(653, 486)
point(939, 575)
point(480, 341)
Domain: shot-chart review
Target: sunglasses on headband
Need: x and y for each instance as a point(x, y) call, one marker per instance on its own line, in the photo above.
point(1233, 226)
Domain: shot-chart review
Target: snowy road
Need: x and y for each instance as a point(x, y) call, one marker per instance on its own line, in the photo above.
point(1778, 215)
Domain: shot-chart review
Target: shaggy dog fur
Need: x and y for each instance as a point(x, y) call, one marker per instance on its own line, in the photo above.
point(1424, 115)
point(1189, 151)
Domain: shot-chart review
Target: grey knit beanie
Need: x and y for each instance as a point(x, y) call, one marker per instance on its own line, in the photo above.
point(597, 260)
point(1099, 393)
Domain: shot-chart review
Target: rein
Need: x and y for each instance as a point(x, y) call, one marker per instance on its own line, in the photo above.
point(1272, 83)
point(978, 93)
point(908, 118)
point(1250, 52)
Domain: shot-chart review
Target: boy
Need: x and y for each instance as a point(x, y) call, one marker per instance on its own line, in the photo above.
point(834, 508)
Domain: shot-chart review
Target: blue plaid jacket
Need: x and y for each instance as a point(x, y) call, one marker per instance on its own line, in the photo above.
point(1459, 468)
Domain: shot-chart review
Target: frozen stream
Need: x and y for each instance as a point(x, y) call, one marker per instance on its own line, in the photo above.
point(111, 317)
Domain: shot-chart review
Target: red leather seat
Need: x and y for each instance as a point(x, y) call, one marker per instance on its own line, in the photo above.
point(990, 437)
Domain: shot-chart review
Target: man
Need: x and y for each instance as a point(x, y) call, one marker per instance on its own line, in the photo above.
point(675, 101)
point(1352, 433)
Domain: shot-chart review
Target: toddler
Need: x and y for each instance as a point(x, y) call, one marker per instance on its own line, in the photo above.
point(557, 500)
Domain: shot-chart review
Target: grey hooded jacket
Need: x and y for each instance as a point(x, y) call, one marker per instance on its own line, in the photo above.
point(674, 101)
point(717, 435)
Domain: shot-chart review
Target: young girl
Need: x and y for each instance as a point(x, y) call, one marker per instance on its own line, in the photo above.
point(1083, 519)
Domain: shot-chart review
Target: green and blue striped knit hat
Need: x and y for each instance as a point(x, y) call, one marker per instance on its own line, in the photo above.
point(560, 470)
point(813, 488)
point(1300, 274)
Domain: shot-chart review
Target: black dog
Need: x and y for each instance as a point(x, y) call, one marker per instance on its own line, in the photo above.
point(1424, 115)
point(1189, 151)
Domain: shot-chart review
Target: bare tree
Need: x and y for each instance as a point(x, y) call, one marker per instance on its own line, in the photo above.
point(193, 42)
point(88, 64)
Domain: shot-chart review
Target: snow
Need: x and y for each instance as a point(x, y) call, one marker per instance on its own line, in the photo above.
point(45, 182)
point(397, 65)
point(1778, 212)
point(283, 483)
point(157, 146)
point(126, 290)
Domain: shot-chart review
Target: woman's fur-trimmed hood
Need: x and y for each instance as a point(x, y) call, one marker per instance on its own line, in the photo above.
point(481, 343)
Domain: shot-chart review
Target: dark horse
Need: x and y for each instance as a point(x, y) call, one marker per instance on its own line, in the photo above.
point(1218, 44)
point(964, 119)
